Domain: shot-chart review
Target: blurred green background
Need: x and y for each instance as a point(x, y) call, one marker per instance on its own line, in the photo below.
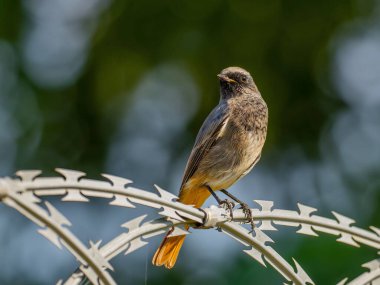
point(123, 86)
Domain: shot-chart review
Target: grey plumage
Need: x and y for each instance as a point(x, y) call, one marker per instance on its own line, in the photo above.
point(227, 146)
point(230, 140)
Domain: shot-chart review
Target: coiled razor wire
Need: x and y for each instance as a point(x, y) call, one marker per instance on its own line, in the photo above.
point(25, 193)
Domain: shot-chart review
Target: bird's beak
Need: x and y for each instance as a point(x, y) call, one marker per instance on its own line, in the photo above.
point(225, 78)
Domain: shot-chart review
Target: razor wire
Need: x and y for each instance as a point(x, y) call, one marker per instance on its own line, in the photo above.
point(25, 193)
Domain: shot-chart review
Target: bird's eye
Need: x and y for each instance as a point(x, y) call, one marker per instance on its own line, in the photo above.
point(244, 79)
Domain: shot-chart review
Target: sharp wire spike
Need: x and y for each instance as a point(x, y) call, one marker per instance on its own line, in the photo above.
point(28, 175)
point(70, 175)
point(133, 224)
point(116, 180)
point(165, 194)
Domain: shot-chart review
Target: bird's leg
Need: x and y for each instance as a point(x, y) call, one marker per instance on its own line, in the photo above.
point(218, 200)
point(227, 204)
point(246, 210)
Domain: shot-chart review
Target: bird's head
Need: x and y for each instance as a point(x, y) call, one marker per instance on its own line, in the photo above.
point(235, 81)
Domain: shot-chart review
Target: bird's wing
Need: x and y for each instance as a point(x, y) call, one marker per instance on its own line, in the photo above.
point(208, 135)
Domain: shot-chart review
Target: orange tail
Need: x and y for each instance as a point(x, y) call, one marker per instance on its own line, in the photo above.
point(169, 249)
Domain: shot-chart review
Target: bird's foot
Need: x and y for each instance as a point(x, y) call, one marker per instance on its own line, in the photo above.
point(248, 215)
point(228, 205)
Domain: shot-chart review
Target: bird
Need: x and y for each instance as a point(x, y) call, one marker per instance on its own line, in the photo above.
point(227, 147)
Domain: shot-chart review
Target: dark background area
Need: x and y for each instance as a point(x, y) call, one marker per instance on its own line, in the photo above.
point(122, 87)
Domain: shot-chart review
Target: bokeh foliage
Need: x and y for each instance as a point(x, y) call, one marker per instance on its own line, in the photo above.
point(288, 46)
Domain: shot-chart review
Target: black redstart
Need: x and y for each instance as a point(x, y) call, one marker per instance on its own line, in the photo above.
point(227, 147)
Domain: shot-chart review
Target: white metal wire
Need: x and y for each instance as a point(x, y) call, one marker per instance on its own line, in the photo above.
point(24, 195)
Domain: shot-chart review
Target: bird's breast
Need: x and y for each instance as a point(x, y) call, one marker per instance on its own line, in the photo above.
point(232, 157)
point(238, 146)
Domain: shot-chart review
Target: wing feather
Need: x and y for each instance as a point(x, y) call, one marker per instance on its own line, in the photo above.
point(207, 137)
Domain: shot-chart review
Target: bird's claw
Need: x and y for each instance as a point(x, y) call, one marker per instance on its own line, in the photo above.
point(248, 214)
point(228, 205)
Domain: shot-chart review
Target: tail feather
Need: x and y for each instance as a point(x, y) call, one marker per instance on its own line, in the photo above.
point(169, 249)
